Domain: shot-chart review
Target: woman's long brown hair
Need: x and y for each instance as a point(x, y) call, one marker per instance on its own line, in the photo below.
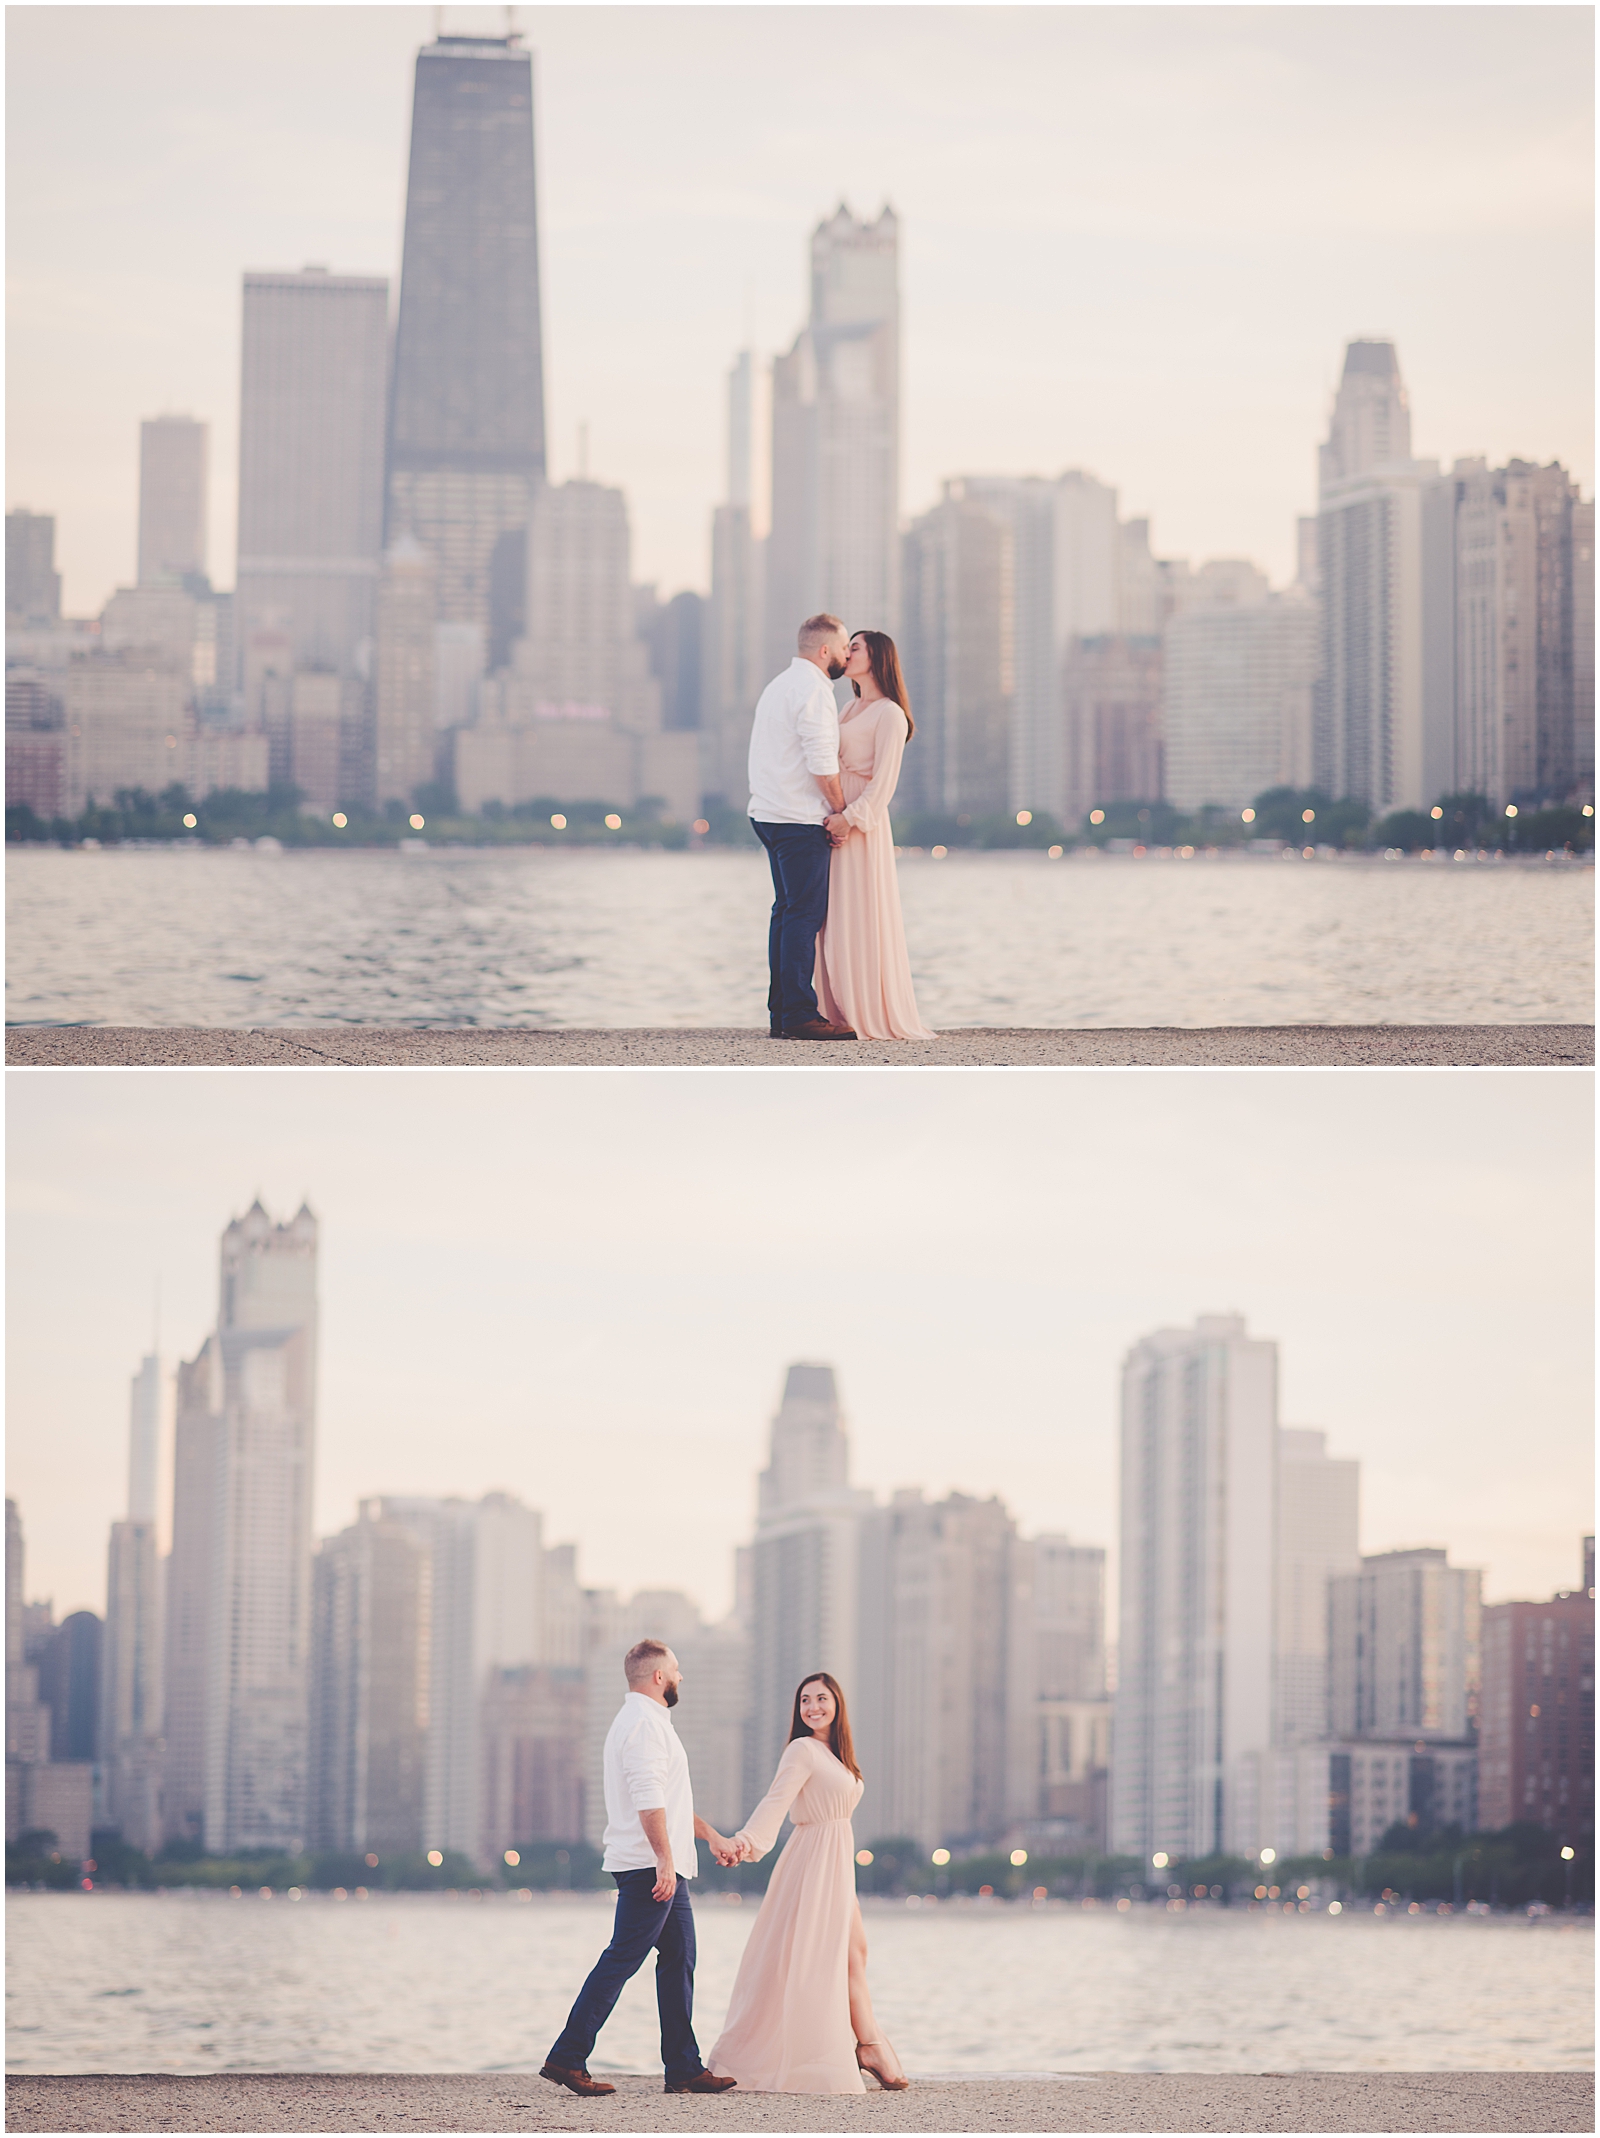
point(839, 1740)
point(886, 674)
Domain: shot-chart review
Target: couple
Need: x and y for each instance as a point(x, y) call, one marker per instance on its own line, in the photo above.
point(800, 2019)
point(820, 789)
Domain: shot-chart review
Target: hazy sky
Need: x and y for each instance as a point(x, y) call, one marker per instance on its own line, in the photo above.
point(1136, 239)
point(585, 1287)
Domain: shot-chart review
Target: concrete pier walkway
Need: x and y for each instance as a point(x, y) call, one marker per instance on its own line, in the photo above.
point(1417, 1046)
point(1178, 2101)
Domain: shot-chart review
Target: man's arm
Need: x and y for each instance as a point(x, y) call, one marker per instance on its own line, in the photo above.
point(722, 1848)
point(655, 1832)
point(819, 743)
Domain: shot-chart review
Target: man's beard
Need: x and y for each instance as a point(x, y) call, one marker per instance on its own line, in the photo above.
point(835, 671)
point(671, 1696)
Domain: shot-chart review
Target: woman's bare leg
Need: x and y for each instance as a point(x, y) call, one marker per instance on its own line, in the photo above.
point(862, 2017)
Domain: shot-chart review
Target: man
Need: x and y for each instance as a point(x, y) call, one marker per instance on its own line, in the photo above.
point(794, 787)
point(651, 1828)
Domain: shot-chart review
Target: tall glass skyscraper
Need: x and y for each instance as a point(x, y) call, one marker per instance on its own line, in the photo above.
point(466, 410)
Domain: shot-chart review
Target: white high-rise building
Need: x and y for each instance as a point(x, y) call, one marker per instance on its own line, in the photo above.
point(1237, 689)
point(311, 443)
point(405, 706)
point(931, 1682)
point(577, 715)
point(239, 1578)
point(1318, 1537)
point(487, 1583)
point(131, 1658)
point(1519, 646)
point(1066, 576)
point(805, 1562)
point(172, 498)
point(734, 638)
point(370, 1682)
point(1404, 1640)
point(835, 541)
point(1384, 702)
point(1059, 1720)
point(1195, 1647)
point(958, 612)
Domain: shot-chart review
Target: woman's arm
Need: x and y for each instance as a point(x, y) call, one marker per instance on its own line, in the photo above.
point(871, 805)
point(760, 1830)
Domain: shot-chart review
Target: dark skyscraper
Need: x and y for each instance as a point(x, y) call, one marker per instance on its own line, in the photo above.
point(466, 415)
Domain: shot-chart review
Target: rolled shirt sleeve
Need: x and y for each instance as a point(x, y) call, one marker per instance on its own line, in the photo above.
point(819, 732)
point(644, 1769)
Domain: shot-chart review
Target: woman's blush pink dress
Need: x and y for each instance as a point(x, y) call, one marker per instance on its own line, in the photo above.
point(863, 974)
point(788, 2028)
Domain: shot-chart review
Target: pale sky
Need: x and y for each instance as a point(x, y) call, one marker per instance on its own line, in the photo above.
point(1135, 239)
point(584, 1287)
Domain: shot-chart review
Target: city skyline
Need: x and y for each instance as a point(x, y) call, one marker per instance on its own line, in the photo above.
point(1209, 430)
point(462, 1353)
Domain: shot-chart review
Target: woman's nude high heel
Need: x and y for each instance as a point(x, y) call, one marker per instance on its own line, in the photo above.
point(889, 2085)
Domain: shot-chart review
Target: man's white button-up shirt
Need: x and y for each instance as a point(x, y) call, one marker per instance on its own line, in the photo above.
point(646, 1769)
point(795, 736)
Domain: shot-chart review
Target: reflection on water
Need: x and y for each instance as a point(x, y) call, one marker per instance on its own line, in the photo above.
point(524, 937)
point(413, 1982)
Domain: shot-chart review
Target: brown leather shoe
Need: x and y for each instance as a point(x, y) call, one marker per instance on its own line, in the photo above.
point(819, 1028)
point(702, 2082)
point(579, 2080)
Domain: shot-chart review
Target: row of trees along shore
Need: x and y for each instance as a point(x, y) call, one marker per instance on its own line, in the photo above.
point(1294, 816)
point(1521, 1865)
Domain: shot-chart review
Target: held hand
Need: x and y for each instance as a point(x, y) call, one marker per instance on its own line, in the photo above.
point(666, 1883)
point(838, 830)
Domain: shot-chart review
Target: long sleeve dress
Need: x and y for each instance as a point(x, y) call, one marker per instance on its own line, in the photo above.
point(788, 2028)
point(863, 973)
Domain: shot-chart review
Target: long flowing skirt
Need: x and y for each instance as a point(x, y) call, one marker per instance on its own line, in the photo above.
point(863, 974)
point(788, 2027)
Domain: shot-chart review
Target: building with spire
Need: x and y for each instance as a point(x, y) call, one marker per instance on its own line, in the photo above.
point(130, 1677)
point(466, 437)
point(1383, 711)
point(805, 1562)
point(239, 1576)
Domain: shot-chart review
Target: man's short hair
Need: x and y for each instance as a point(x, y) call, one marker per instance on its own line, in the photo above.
point(643, 1659)
point(817, 630)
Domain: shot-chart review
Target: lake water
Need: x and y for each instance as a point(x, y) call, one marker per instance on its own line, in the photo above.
point(545, 939)
point(192, 1982)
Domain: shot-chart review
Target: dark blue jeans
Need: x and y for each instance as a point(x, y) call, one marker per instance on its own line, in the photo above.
point(640, 1923)
point(799, 854)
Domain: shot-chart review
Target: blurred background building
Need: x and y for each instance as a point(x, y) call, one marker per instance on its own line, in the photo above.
point(834, 543)
point(436, 1677)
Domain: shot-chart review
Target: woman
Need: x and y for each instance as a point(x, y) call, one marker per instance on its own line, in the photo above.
point(863, 975)
point(800, 2019)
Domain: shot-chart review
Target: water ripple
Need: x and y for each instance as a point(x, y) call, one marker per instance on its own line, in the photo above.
point(532, 938)
point(445, 1983)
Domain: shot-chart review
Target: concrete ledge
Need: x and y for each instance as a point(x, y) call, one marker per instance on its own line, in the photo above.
point(1116, 2101)
point(1416, 1046)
